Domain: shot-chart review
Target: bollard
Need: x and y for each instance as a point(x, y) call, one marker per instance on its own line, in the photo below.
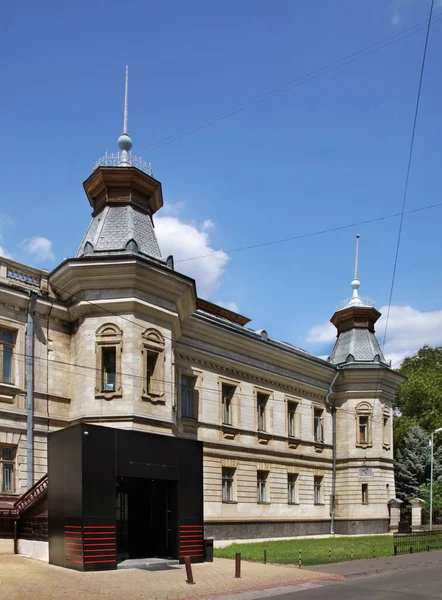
point(300, 559)
point(374, 552)
point(238, 565)
point(351, 552)
point(265, 556)
point(329, 555)
point(395, 550)
point(188, 570)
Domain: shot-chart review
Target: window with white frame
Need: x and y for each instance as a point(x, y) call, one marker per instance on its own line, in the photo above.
point(7, 343)
point(227, 393)
point(188, 397)
point(291, 418)
point(317, 489)
point(228, 474)
point(292, 480)
point(261, 406)
point(262, 492)
point(318, 425)
point(7, 469)
point(363, 424)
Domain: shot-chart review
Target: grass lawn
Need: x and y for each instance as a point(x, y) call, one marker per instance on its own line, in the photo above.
point(314, 551)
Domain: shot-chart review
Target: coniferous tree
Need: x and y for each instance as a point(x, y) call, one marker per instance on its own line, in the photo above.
point(413, 464)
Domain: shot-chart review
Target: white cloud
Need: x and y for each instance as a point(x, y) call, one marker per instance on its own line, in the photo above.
point(229, 305)
point(408, 330)
point(172, 209)
point(208, 224)
point(4, 253)
point(39, 247)
point(186, 241)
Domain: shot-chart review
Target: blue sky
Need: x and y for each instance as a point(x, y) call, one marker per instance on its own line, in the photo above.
point(315, 156)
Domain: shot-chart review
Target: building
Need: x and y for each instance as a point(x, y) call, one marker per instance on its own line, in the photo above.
point(116, 337)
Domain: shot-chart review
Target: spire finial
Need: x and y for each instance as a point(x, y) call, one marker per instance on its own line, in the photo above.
point(124, 141)
point(356, 283)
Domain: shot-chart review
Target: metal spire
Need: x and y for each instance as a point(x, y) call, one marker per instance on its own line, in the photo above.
point(356, 283)
point(124, 141)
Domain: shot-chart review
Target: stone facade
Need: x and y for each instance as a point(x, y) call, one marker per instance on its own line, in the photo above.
point(184, 367)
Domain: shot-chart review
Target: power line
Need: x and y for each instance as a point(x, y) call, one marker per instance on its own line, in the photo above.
point(285, 87)
point(314, 233)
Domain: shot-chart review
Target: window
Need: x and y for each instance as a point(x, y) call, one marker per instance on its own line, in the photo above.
point(363, 429)
point(188, 397)
point(109, 340)
point(7, 342)
point(262, 486)
point(261, 403)
point(364, 490)
point(318, 425)
point(291, 418)
point(386, 429)
point(108, 369)
point(291, 488)
point(317, 487)
point(228, 475)
point(227, 393)
point(363, 424)
point(153, 376)
point(7, 475)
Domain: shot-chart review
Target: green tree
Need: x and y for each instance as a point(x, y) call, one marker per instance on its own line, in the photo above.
point(419, 398)
point(424, 494)
point(413, 464)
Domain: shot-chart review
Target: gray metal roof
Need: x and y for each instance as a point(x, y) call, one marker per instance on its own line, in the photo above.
point(355, 346)
point(120, 228)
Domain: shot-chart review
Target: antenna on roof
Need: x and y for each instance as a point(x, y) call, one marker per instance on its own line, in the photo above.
point(356, 283)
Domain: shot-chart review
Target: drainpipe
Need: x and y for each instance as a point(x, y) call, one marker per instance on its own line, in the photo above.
point(332, 407)
point(30, 390)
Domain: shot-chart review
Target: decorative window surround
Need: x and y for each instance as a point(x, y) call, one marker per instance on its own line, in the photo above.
point(364, 414)
point(109, 338)
point(153, 365)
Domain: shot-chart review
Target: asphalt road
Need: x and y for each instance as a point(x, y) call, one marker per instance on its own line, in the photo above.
point(407, 582)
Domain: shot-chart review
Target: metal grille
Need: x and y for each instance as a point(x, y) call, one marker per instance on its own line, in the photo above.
point(419, 541)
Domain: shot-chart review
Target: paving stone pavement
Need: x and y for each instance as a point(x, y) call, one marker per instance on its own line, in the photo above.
point(27, 579)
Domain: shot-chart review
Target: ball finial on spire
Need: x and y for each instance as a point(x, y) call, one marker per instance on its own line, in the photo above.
point(124, 141)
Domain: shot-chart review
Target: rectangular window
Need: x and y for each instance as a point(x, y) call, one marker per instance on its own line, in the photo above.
point(261, 404)
point(386, 431)
point(262, 486)
point(318, 490)
point(227, 393)
point(363, 429)
point(108, 368)
point(228, 475)
point(7, 342)
point(291, 418)
point(188, 396)
point(318, 425)
point(364, 491)
point(291, 488)
point(151, 361)
point(7, 470)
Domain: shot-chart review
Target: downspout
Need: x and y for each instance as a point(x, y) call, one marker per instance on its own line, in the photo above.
point(30, 390)
point(332, 407)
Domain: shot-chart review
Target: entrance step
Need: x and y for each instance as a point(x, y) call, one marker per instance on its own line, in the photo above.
point(148, 564)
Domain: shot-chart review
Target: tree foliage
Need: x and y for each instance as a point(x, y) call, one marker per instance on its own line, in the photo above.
point(413, 464)
point(424, 494)
point(419, 398)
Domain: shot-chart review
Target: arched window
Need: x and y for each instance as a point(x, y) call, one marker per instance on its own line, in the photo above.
point(386, 427)
point(109, 346)
point(364, 413)
point(153, 365)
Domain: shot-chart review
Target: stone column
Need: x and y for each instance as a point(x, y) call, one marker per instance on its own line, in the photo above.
point(416, 513)
point(394, 507)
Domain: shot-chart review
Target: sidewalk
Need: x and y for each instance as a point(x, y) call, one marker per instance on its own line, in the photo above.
point(368, 566)
point(26, 579)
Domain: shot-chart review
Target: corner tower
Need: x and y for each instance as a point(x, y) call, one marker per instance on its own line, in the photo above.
point(124, 197)
point(354, 320)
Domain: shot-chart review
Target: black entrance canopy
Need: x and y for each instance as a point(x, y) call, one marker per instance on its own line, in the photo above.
point(115, 494)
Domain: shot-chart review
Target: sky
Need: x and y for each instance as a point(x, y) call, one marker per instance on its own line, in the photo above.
point(258, 131)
